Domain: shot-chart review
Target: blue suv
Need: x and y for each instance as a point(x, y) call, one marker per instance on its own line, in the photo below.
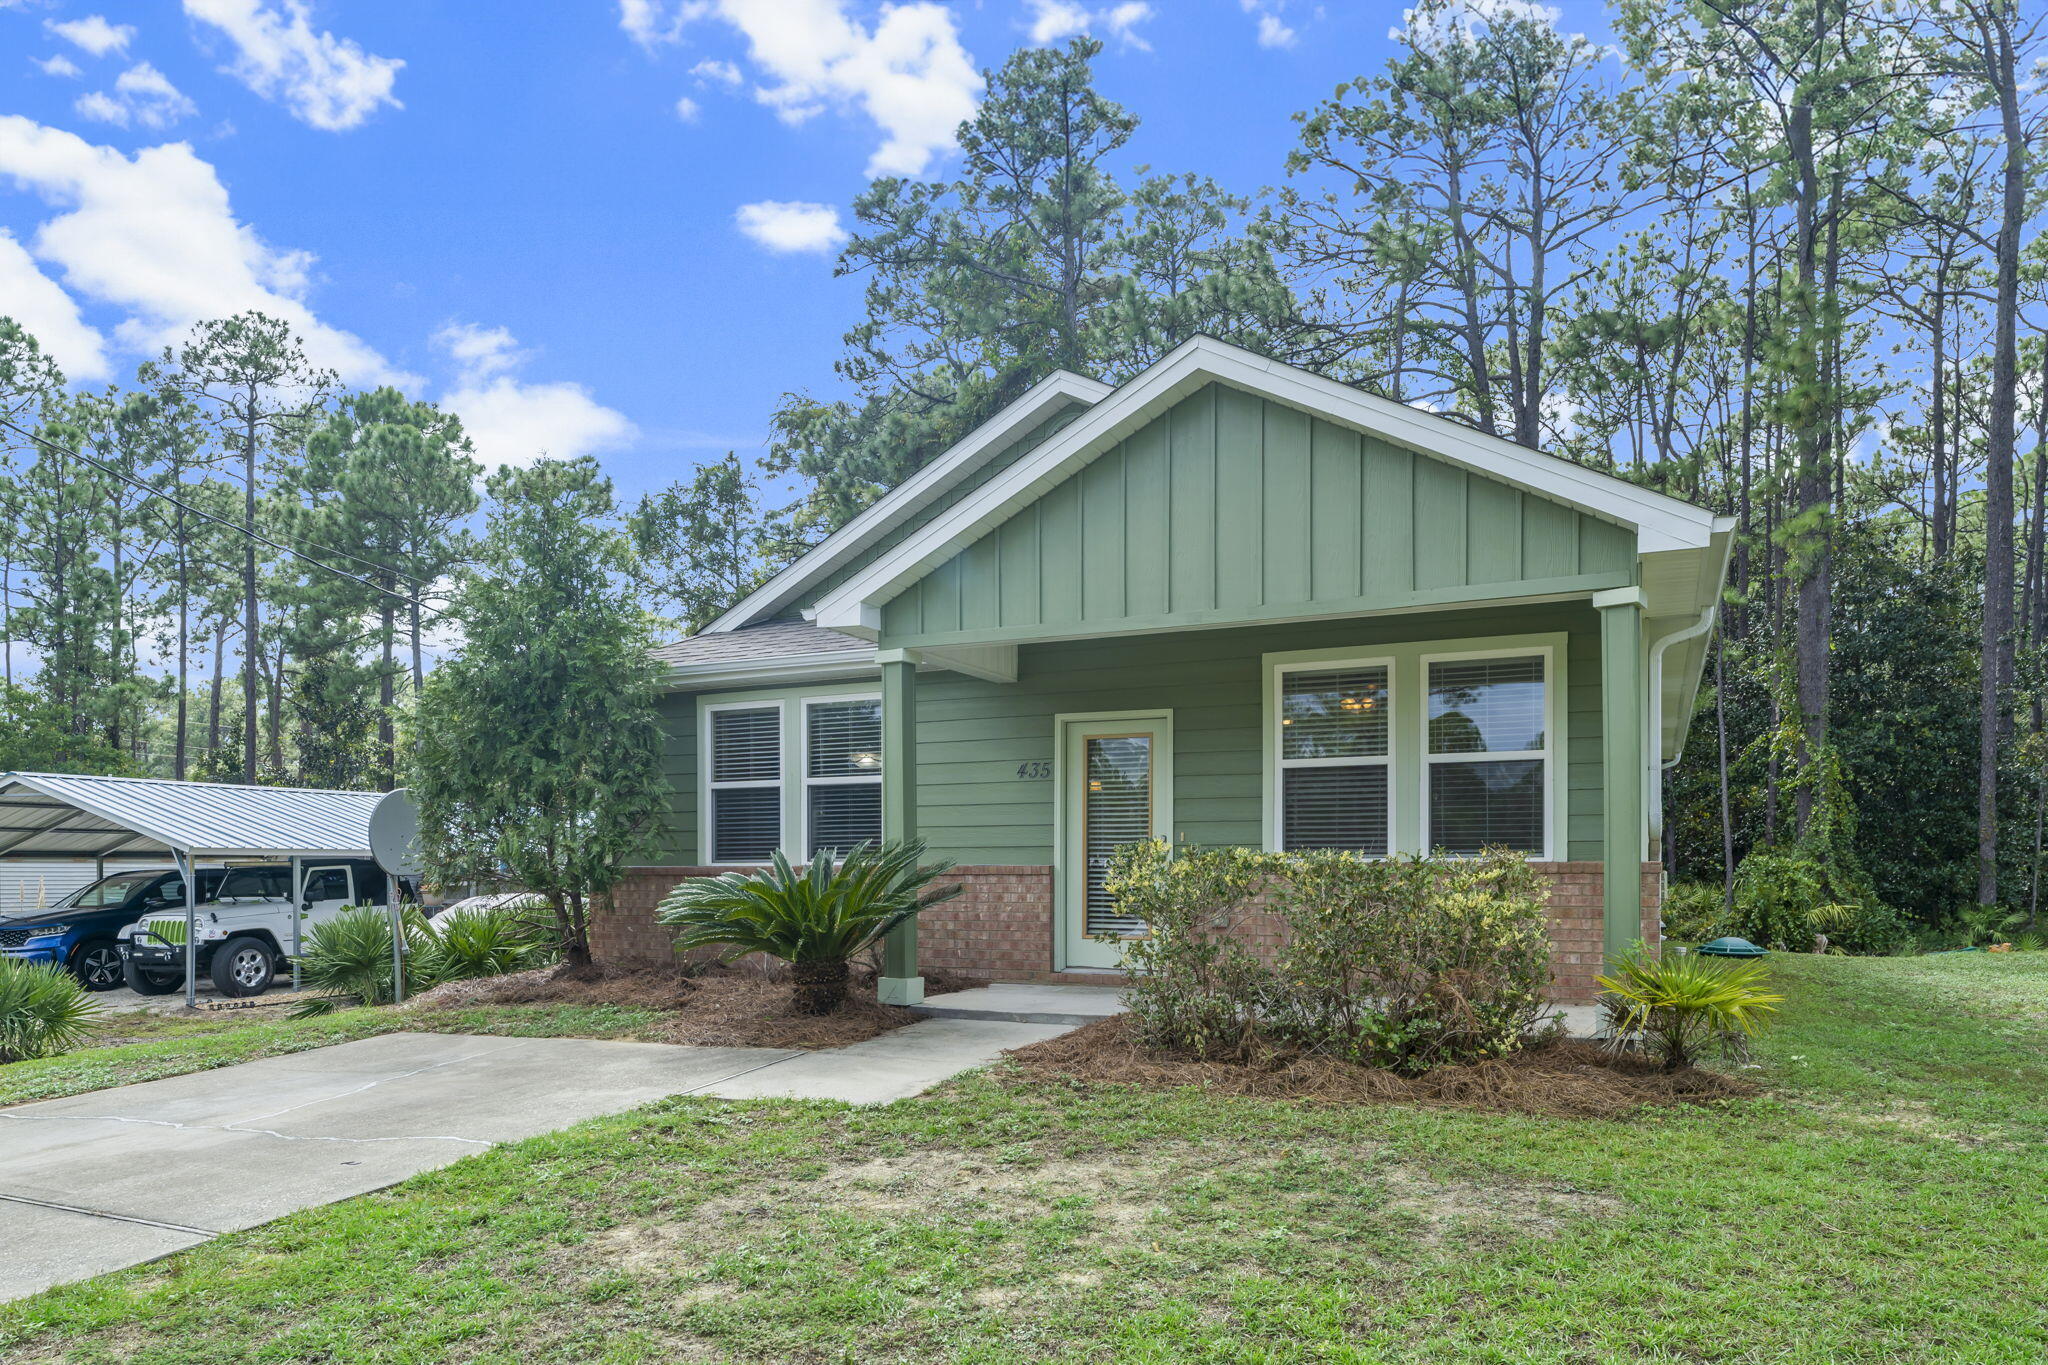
point(78, 931)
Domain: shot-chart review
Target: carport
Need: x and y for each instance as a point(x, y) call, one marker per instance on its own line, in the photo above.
point(58, 816)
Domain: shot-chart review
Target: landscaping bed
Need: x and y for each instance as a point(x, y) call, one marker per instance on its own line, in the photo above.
point(1560, 1077)
point(709, 1007)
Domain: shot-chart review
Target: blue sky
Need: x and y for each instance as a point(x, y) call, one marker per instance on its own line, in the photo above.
point(586, 225)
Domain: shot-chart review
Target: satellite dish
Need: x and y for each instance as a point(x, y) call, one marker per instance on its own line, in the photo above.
point(395, 835)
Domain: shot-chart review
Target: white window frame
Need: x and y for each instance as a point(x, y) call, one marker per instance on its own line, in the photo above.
point(1276, 806)
point(799, 850)
point(710, 785)
point(1553, 731)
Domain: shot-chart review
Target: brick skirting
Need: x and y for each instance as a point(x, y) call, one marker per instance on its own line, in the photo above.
point(1000, 927)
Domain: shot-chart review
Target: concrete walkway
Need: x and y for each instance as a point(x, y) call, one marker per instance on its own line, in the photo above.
point(117, 1177)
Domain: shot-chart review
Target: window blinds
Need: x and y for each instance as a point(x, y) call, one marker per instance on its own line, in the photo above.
point(1488, 755)
point(842, 774)
point(746, 784)
point(1333, 759)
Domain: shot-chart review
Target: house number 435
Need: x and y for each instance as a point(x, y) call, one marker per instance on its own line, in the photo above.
point(1036, 768)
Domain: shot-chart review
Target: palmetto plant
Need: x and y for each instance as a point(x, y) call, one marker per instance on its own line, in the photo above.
point(493, 940)
point(815, 918)
point(1678, 1005)
point(43, 1010)
point(349, 958)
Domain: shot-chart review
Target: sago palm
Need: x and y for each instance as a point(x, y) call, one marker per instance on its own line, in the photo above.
point(815, 918)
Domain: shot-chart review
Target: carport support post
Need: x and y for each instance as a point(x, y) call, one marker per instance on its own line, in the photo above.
point(298, 904)
point(900, 983)
point(1621, 769)
point(184, 861)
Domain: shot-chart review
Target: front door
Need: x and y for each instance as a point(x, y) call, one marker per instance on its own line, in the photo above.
point(1116, 783)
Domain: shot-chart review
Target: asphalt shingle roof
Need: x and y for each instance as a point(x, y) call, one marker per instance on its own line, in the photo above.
point(771, 640)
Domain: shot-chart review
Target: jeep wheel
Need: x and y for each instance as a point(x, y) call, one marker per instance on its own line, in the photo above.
point(243, 966)
point(150, 983)
point(97, 964)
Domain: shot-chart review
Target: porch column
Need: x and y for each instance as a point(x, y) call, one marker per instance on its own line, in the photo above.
point(900, 983)
point(1621, 768)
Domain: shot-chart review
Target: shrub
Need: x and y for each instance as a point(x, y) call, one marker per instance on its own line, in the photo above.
point(1678, 1005)
point(1194, 988)
point(815, 919)
point(490, 941)
point(1400, 962)
point(1785, 896)
point(350, 957)
point(43, 1010)
point(1694, 912)
point(1410, 962)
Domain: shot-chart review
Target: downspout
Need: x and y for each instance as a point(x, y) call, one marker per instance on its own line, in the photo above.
point(1653, 776)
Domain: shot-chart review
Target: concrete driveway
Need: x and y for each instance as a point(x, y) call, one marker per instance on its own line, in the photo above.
point(100, 1181)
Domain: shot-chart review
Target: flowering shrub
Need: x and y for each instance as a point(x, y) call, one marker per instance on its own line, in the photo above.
point(1401, 962)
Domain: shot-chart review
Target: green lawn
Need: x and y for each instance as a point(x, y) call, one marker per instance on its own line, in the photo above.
point(1883, 1206)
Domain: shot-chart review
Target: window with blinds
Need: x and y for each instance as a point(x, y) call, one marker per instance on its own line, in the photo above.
point(1116, 809)
point(1489, 754)
point(1333, 724)
point(746, 783)
point(842, 773)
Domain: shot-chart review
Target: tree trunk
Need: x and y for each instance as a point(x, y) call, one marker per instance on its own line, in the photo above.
point(250, 641)
point(1721, 737)
point(820, 987)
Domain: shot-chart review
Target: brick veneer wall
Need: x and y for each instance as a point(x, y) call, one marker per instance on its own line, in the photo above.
point(1000, 926)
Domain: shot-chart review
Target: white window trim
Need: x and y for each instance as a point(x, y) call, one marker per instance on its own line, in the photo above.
point(708, 821)
point(799, 848)
point(1409, 738)
point(1276, 806)
point(1553, 728)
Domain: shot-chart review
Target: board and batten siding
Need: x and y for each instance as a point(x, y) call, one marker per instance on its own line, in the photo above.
point(978, 741)
point(1230, 507)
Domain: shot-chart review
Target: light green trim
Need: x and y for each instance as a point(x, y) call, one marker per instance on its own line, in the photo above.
point(1408, 760)
point(900, 983)
point(1621, 597)
point(790, 701)
point(1071, 948)
point(1528, 592)
point(1621, 765)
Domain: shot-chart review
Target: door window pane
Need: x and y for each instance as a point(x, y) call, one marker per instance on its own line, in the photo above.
point(1116, 809)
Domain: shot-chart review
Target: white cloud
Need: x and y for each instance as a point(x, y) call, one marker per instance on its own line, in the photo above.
point(329, 82)
point(908, 72)
point(1053, 20)
point(688, 109)
point(154, 236)
point(712, 69)
point(92, 34)
point(786, 227)
point(511, 422)
point(59, 65)
point(36, 301)
point(1273, 30)
point(142, 95)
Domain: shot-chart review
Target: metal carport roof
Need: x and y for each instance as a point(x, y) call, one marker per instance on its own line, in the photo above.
point(56, 815)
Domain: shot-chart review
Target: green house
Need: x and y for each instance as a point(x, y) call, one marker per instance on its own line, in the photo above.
point(1229, 601)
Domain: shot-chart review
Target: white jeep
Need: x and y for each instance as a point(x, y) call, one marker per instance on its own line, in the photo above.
point(244, 924)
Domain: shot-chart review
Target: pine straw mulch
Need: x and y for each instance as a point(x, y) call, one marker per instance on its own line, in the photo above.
point(1558, 1078)
point(710, 1007)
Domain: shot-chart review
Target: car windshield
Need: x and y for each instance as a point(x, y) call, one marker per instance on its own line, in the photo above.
point(106, 893)
point(263, 883)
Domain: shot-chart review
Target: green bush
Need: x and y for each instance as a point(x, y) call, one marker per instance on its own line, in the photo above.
point(1679, 1004)
point(1694, 912)
point(350, 958)
point(43, 1010)
point(489, 941)
point(1401, 962)
point(1785, 896)
point(815, 919)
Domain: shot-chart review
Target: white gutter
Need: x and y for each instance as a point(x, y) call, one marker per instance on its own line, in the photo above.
point(1653, 768)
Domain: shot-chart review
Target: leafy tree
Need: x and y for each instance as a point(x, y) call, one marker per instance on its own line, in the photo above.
point(537, 756)
point(702, 546)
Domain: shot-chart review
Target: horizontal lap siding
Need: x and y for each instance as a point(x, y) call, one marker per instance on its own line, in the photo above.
point(677, 842)
point(1230, 503)
point(974, 736)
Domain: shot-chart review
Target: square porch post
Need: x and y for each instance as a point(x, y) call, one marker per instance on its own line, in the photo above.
point(1621, 768)
point(900, 983)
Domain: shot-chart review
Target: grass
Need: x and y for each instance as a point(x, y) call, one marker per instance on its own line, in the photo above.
point(1880, 1207)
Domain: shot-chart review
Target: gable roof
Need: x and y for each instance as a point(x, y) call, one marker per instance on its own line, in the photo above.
point(769, 640)
point(59, 815)
point(1045, 399)
point(1662, 525)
